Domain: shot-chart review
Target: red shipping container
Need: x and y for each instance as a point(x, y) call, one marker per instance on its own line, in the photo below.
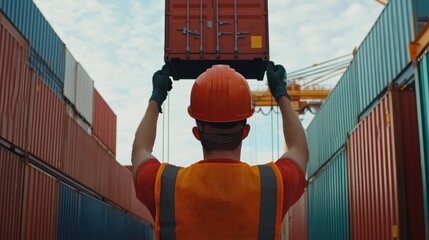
point(199, 34)
point(104, 123)
point(46, 124)
point(106, 174)
point(11, 179)
point(384, 173)
point(39, 220)
point(14, 85)
point(69, 164)
point(123, 185)
point(86, 165)
point(298, 220)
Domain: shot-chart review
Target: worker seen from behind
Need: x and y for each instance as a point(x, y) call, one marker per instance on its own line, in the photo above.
point(220, 197)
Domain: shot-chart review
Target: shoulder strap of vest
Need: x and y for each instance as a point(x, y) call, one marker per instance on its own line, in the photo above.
point(166, 211)
point(268, 209)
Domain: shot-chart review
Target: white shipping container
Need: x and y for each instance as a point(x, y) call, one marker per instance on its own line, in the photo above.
point(69, 90)
point(84, 94)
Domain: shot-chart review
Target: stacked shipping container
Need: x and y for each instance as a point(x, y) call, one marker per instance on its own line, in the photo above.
point(50, 166)
point(384, 180)
point(419, 53)
point(384, 174)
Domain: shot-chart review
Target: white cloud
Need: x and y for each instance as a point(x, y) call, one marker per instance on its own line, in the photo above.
point(120, 44)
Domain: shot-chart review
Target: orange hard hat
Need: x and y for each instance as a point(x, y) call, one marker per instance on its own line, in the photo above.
point(220, 94)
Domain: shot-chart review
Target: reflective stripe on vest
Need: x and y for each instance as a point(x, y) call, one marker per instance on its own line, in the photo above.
point(268, 203)
point(166, 210)
point(267, 219)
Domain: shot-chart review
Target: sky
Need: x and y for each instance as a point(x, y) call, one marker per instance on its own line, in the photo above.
point(120, 43)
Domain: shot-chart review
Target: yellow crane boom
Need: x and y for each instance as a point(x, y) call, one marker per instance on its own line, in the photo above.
point(301, 99)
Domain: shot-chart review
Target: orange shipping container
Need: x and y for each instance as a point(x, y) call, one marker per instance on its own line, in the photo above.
point(14, 89)
point(384, 173)
point(200, 33)
point(104, 123)
point(11, 178)
point(39, 219)
point(46, 122)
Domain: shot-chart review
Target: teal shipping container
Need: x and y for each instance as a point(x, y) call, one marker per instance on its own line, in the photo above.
point(328, 211)
point(327, 133)
point(422, 91)
point(47, 55)
point(383, 54)
point(380, 59)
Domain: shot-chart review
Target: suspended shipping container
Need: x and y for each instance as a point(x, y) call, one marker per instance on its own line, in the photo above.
point(384, 174)
point(199, 34)
point(47, 49)
point(46, 123)
point(40, 205)
point(298, 219)
point(104, 124)
point(328, 213)
point(11, 183)
point(14, 89)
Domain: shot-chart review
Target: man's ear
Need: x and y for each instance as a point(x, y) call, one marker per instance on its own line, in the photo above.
point(196, 133)
point(246, 131)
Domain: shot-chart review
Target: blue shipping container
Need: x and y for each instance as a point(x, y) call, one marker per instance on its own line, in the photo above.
point(328, 211)
point(422, 92)
point(49, 50)
point(68, 213)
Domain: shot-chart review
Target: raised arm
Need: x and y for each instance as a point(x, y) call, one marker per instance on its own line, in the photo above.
point(146, 131)
point(293, 131)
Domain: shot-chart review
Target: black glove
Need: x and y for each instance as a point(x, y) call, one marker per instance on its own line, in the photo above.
point(276, 75)
point(161, 84)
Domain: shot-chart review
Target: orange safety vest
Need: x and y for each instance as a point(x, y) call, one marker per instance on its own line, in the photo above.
point(218, 201)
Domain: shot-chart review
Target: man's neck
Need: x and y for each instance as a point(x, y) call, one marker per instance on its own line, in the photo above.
point(224, 154)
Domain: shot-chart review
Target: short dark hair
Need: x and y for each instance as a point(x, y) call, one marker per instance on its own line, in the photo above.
point(224, 141)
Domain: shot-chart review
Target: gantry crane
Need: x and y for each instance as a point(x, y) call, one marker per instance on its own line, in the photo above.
point(302, 99)
point(304, 85)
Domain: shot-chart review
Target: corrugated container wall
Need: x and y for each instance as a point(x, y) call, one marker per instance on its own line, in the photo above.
point(68, 213)
point(381, 57)
point(47, 49)
point(422, 87)
point(14, 89)
point(327, 133)
point(40, 205)
point(298, 219)
point(46, 123)
point(84, 94)
point(328, 213)
point(384, 53)
point(11, 183)
point(104, 125)
point(384, 174)
point(199, 34)
point(69, 90)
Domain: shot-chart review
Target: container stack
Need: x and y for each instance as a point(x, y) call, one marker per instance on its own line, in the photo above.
point(58, 173)
point(369, 141)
